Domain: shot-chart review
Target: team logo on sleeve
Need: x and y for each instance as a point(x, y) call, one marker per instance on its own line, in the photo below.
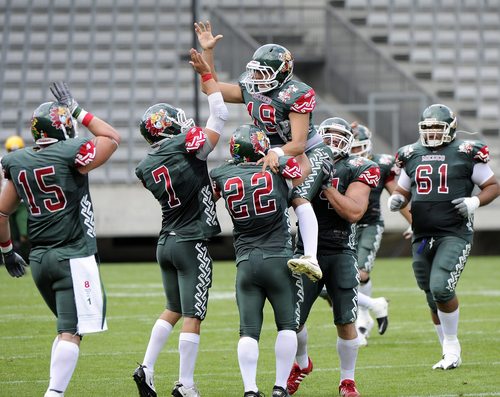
point(286, 94)
point(157, 122)
point(60, 118)
point(466, 147)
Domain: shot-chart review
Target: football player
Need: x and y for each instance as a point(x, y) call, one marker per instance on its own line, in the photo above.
point(339, 196)
point(176, 173)
point(258, 205)
point(369, 234)
point(282, 107)
point(438, 176)
point(51, 180)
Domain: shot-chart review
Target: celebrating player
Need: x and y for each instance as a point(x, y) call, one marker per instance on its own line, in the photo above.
point(438, 175)
point(176, 173)
point(52, 182)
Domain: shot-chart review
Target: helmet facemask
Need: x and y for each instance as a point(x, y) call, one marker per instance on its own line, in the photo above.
point(261, 78)
point(337, 134)
point(435, 133)
point(363, 147)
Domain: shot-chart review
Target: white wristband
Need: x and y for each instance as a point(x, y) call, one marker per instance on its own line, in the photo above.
point(279, 151)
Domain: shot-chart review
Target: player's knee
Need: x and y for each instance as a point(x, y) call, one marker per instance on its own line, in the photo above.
point(442, 295)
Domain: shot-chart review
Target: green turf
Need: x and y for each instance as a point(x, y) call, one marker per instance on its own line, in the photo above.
point(395, 364)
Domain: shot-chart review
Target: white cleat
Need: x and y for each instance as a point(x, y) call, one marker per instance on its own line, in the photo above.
point(183, 391)
point(364, 322)
point(451, 355)
point(362, 341)
point(449, 361)
point(307, 266)
point(381, 311)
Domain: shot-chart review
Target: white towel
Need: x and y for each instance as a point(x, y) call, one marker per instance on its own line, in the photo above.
point(89, 297)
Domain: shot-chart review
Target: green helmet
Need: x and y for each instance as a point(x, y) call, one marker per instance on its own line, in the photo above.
point(337, 134)
point(362, 140)
point(52, 122)
point(437, 126)
point(162, 120)
point(248, 144)
point(271, 66)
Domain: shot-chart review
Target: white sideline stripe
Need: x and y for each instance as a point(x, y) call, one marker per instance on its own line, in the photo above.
point(215, 295)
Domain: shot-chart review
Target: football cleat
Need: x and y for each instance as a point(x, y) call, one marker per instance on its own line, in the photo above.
point(144, 380)
point(381, 311)
point(449, 361)
point(253, 394)
point(347, 388)
point(297, 375)
point(362, 341)
point(324, 294)
point(278, 391)
point(181, 391)
point(53, 393)
point(307, 266)
point(364, 322)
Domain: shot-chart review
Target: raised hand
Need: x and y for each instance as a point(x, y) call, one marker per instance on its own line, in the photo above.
point(205, 37)
point(61, 92)
point(198, 62)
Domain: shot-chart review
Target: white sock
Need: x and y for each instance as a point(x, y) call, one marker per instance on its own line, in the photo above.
point(284, 349)
point(308, 226)
point(348, 353)
point(302, 356)
point(54, 345)
point(439, 331)
point(62, 365)
point(188, 352)
point(159, 336)
point(248, 355)
point(449, 325)
point(364, 301)
point(366, 288)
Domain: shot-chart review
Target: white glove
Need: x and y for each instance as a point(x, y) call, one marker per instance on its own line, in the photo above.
point(408, 233)
point(466, 205)
point(396, 202)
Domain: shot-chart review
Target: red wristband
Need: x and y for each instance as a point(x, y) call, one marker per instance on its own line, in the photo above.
point(206, 76)
point(87, 119)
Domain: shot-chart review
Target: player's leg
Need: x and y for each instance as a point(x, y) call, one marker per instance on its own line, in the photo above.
point(283, 290)
point(250, 298)
point(194, 276)
point(160, 333)
point(449, 262)
point(343, 288)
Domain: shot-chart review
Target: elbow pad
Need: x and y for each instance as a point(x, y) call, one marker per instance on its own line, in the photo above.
point(218, 112)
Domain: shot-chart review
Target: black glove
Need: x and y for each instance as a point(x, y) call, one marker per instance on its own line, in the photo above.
point(61, 92)
point(14, 263)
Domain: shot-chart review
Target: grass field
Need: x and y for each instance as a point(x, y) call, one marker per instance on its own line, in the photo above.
point(395, 364)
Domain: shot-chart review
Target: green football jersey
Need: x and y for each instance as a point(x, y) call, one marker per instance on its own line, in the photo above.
point(179, 180)
point(438, 176)
point(373, 214)
point(270, 110)
point(335, 234)
point(258, 205)
point(60, 213)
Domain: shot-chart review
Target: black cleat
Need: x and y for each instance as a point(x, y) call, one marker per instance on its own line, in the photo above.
point(143, 378)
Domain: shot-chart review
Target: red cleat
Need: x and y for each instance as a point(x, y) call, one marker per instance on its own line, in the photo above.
point(347, 388)
point(297, 375)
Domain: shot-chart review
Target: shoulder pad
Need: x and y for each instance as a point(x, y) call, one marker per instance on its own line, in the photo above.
point(291, 169)
point(195, 139)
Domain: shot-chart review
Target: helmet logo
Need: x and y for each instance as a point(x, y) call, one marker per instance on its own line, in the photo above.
point(287, 58)
point(157, 122)
point(60, 118)
point(259, 142)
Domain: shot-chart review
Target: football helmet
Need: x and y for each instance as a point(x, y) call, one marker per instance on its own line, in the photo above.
point(437, 126)
point(52, 122)
point(14, 142)
point(362, 141)
point(162, 120)
point(248, 144)
point(337, 134)
point(271, 66)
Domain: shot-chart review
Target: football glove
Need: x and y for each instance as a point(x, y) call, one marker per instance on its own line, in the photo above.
point(466, 205)
point(396, 202)
point(14, 263)
point(61, 92)
point(408, 233)
point(328, 169)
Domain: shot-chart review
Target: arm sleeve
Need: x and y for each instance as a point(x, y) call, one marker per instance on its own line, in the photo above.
point(481, 173)
point(404, 180)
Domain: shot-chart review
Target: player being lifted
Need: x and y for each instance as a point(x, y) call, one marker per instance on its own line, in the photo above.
point(281, 107)
point(176, 173)
point(438, 175)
